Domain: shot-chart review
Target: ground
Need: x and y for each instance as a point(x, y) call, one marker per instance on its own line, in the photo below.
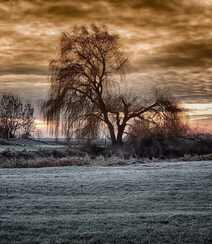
point(142, 203)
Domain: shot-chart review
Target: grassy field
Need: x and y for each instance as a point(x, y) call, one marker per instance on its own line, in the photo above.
point(150, 203)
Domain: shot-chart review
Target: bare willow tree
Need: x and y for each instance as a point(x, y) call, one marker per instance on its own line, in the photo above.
point(85, 87)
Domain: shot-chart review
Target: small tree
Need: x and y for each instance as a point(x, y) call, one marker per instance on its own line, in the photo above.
point(169, 122)
point(85, 87)
point(161, 132)
point(14, 116)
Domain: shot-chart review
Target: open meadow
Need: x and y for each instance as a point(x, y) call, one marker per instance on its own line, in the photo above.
point(142, 203)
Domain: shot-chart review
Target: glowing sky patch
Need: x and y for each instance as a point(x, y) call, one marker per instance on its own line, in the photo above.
point(203, 110)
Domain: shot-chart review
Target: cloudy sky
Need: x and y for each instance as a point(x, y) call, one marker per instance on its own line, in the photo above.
point(168, 42)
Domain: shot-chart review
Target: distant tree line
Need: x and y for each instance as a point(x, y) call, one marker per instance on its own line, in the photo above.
point(16, 117)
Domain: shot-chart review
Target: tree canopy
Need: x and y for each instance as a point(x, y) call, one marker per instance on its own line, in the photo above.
point(85, 94)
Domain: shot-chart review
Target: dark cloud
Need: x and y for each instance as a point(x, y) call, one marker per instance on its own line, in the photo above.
point(67, 10)
point(168, 42)
point(157, 5)
point(186, 53)
point(24, 70)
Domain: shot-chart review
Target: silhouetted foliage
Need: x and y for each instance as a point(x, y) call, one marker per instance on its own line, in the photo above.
point(160, 136)
point(85, 87)
point(15, 117)
point(169, 122)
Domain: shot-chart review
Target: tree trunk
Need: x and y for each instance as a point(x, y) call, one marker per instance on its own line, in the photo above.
point(116, 140)
point(112, 133)
point(119, 140)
